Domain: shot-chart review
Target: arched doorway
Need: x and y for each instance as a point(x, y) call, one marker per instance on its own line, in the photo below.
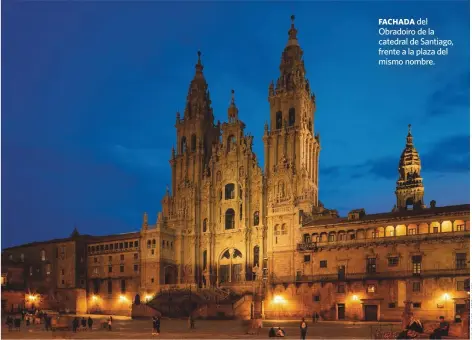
point(230, 268)
point(170, 275)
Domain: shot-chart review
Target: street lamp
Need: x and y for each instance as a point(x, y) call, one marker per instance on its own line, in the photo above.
point(446, 297)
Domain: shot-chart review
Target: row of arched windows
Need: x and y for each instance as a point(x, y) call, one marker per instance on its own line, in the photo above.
point(113, 246)
point(291, 118)
point(183, 144)
point(152, 244)
point(229, 219)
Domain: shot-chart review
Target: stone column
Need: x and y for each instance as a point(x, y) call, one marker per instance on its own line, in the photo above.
point(407, 314)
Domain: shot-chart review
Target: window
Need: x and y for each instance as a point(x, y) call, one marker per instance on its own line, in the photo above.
point(256, 218)
point(102, 247)
point(43, 255)
point(62, 271)
point(136, 244)
point(183, 145)
point(306, 238)
point(204, 259)
point(110, 269)
point(48, 269)
point(121, 245)
point(22, 257)
point(136, 267)
point(149, 244)
point(122, 268)
point(110, 287)
point(460, 227)
point(171, 245)
point(111, 246)
point(10, 257)
point(123, 286)
point(324, 264)
point(352, 236)
point(371, 265)
point(316, 298)
point(63, 282)
point(278, 120)
point(116, 246)
point(416, 286)
point(135, 256)
point(126, 244)
point(460, 286)
point(341, 288)
point(435, 230)
point(256, 256)
point(306, 258)
point(154, 243)
point(152, 252)
point(276, 230)
point(416, 261)
point(416, 304)
point(375, 234)
point(371, 289)
point(392, 305)
point(241, 212)
point(122, 257)
point(393, 261)
point(205, 225)
point(291, 116)
point(231, 142)
point(229, 219)
point(412, 231)
point(95, 260)
point(284, 230)
point(331, 238)
point(95, 271)
point(152, 280)
point(229, 191)
point(193, 143)
point(461, 260)
point(163, 244)
point(110, 258)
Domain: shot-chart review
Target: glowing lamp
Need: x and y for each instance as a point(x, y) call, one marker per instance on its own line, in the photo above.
point(278, 299)
point(31, 297)
point(94, 297)
point(148, 297)
point(355, 298)
point(122, 298)
point(446, 296)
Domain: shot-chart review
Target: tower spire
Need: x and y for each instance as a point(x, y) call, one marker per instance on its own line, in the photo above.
point(410, 190)
point(198, 97)
point(292, 33)
point(232, 110)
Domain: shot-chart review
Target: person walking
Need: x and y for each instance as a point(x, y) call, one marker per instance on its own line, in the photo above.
point(153, 326)
point(90, 323)
point(303, 329)
point(84, 324)
point(75, 324)
point(109, 323)
point(158, 325)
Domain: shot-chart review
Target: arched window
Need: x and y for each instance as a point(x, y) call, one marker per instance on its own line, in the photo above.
point(241, 212)
point(229, 219)
point(205, 225)
point(229, 191)
point(291, 116)
point(43, 255)
point(149, 244)
point(204, 259)
point(256, 256)
point(231, 142)
point(284, 230)
point(231, 266)
point(154, 243)
point(194, 143)
point(278, 120)
point(183, 145)
point(281, 189)
point(256, 218)
point(163, 244)
point(306, 238)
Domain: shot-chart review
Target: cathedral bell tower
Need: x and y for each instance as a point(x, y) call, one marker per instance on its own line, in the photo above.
point(291, 149)
point(410, 188)
point(195, 132)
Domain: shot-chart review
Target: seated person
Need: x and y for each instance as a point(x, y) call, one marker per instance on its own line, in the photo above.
point(280, 332)
point(443, 329)
point(412, 330)
point(272, 332)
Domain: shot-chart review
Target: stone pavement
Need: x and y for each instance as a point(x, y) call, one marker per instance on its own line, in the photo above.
point(205, 329)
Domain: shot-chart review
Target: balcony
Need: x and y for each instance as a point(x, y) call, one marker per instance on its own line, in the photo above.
point(334, 277)
point(311, 246)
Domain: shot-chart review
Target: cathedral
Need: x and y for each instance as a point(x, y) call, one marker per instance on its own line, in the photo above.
point(229, 229)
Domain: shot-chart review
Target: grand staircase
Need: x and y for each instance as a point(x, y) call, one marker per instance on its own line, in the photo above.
point(201, 302)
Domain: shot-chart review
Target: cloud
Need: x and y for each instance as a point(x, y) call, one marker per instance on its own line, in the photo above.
point(448, 155)
point(453, 94)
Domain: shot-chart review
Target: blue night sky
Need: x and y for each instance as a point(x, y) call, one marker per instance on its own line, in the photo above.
point(91, 89)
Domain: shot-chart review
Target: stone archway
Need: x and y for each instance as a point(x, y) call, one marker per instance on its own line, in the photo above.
point(170, 275)
point(231, 266)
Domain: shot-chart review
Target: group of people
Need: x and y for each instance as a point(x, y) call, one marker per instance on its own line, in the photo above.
point(76, 323)
point(156, 325)
point(279, 332)
point(28, 319)
point(415, 327)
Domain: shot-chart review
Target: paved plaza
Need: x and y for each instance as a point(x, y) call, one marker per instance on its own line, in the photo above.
point(205, 329)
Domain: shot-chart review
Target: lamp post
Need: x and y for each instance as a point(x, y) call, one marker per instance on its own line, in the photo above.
point(446, 298)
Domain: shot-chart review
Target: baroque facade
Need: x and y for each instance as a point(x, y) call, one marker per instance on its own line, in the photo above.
point(227, 223)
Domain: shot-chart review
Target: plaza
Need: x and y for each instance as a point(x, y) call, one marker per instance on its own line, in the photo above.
point(208, 329)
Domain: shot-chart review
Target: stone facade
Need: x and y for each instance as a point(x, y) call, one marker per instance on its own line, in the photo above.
point(227, 223)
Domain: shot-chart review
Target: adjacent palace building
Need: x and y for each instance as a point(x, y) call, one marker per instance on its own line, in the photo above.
point(238, 240)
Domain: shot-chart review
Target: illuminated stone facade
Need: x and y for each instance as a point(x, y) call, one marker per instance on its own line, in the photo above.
point(227, 223)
